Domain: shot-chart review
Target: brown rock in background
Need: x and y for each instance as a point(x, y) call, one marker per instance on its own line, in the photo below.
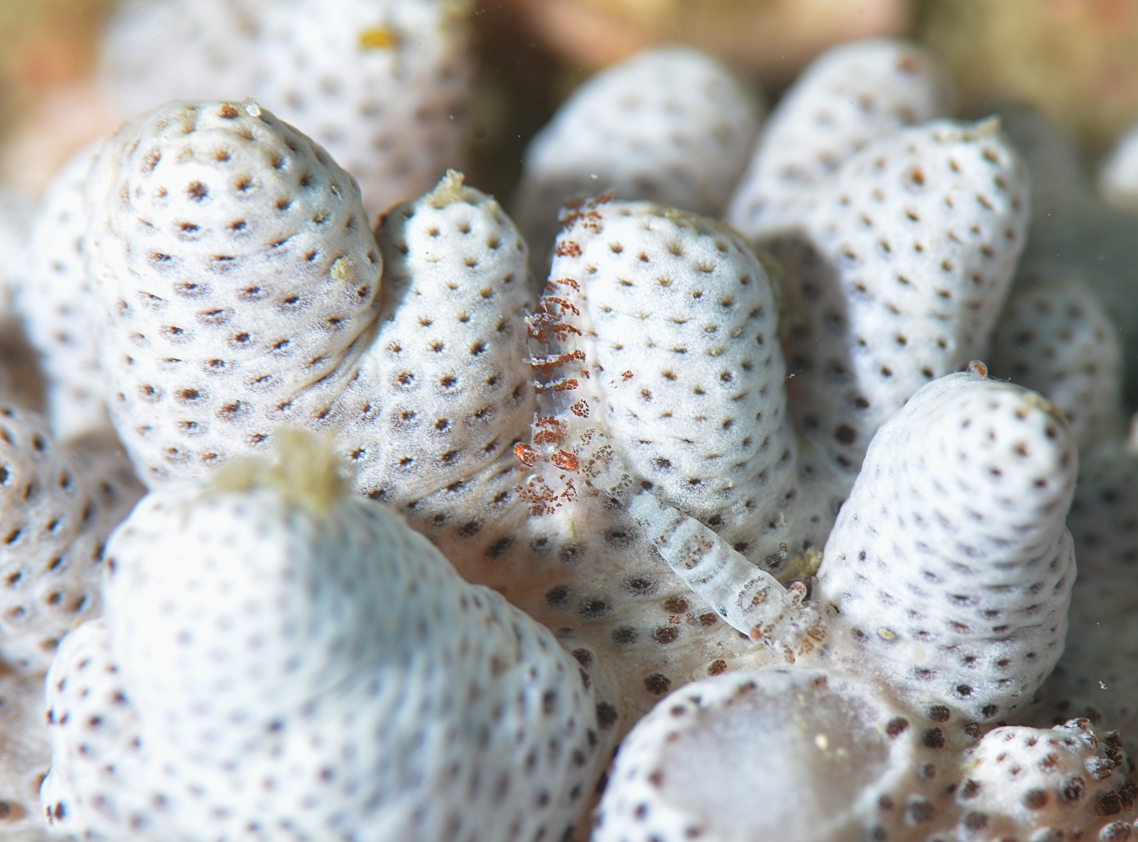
point(1074, 60)
point(47, 107)
point(772, 38)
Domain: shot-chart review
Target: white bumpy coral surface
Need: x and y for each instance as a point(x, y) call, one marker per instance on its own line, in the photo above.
point(772, 523)
point(324, 673)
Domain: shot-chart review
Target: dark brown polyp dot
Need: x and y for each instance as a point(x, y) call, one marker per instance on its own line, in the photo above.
point(717, 667)
point(624, 635)
point(657, 683)
point(1035, 799)
point(896, 726)
point(666, 634)
point(592, 609)
point(558, 596)
point(639, 585)
point(1074, 787)
point(976, 821)
point(920, 811)
point(500, 547)
point(939, 713)
point(1109, 804)
point(933, 738)
point(570, 554)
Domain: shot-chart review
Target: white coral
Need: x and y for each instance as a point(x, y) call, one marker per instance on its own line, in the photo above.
point(916, 599)
point(381, 83)
point(950, 565)
point(1055, 338)
point(57, 506)
point(778, 753)
point(663, 419)
point(239, 276)
point(896, 275)
point(58, 304)
point(269, 627)
point(670, 125)
point(850, 96)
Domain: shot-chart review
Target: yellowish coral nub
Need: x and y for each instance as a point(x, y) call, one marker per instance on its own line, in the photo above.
point(803, 566)
point(378, 38)
point(342, 270)
point(307, 472)
point(450, 189)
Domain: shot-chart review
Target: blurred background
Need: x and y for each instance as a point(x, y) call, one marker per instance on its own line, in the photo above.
point(1074, 60)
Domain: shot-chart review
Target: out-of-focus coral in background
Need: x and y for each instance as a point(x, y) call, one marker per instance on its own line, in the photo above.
point(532, 54)
point(1076, 61)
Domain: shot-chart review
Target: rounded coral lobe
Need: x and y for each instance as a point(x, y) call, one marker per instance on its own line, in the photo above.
point(338, 658)
point(671, 125)
point(383, 85)
point(849, 97)
point(792, 753)
point(237, 265)
point(449, 353)
point(1021, 781)
point(56, 508)
point(949, 564)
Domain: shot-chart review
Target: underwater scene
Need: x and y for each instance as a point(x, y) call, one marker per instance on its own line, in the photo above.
point(568, 420)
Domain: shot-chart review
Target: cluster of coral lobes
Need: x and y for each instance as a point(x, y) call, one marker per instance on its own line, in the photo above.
point(727, 487)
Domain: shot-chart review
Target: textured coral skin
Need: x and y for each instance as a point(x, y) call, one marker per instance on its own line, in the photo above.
point(920, 230)
point(326, 649)
point(382, 84)
point(670, 125)
point(234, 299)
point(853, 751)
point(969, 618)
point(604, 518)
point(948, 627)
point(57, 303)
point(1056, 338)
point(812, 754)
point(1094, 678)
point(400, 387)
point(59, 504)
point(849, 97)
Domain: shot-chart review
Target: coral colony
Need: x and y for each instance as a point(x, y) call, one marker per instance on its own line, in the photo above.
point(432, 519)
